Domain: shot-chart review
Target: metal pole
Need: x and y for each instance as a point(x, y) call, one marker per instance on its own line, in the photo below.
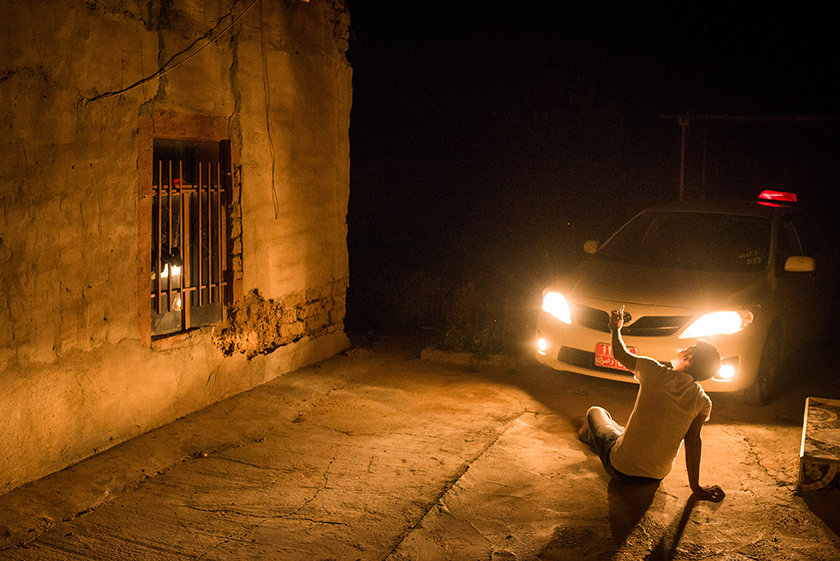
point(683, 122)
point(703, 163)
point(683, 126)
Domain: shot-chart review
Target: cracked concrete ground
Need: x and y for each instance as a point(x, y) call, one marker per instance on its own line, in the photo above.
point(380, 455)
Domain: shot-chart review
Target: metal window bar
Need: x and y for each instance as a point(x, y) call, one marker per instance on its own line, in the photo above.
point(185, 247)
point(169, 239)
point(182, 195)
point(200, 244)
point(158, 242)
point(209, 210)
point(219, 244)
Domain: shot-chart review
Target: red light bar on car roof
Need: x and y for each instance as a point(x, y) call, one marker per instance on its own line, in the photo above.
point(777, 196)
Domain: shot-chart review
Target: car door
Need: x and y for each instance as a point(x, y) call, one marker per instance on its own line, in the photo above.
point(823, 280)
point(797, 292)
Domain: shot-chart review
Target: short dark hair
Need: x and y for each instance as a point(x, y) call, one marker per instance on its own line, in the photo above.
point(705, 361)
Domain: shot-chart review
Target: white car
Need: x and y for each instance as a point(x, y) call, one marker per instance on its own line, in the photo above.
point(752, 277)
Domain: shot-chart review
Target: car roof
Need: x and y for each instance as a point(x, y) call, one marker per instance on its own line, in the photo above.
point(734, 206)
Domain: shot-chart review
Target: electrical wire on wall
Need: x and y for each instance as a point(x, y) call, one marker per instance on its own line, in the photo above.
point(186, 54)
point(172, 63)
point(267, 96)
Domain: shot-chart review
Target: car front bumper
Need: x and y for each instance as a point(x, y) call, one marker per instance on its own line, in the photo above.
point(572, 348)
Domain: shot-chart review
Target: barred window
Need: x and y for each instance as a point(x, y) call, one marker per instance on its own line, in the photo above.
point(190, 234)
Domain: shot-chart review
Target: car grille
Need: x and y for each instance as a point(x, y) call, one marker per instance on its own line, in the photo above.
point(646, 326)
point(577, 357)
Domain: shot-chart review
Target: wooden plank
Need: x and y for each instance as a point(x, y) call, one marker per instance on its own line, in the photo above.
point(819, 452)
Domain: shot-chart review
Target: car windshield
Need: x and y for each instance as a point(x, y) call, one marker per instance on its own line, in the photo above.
point(692, 240)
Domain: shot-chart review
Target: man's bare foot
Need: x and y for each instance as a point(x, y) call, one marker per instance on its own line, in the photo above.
point(583, 432)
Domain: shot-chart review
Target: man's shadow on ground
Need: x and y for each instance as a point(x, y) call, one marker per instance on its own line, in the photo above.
point(627, 507)
point(666, 548)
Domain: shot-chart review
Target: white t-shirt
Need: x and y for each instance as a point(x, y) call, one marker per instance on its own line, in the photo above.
point(667, 403)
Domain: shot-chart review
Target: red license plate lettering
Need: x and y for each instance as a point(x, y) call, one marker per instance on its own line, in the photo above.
point(605, 359)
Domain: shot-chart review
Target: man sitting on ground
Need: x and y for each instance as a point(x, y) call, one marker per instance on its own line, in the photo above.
point(670, 408)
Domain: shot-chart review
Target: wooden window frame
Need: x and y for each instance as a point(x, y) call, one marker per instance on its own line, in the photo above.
point(196, 128)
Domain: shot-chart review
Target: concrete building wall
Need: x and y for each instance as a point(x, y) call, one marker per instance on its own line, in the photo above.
point(82, 95)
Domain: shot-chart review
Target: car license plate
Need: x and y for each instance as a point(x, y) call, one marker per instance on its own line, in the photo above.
point(605, 359)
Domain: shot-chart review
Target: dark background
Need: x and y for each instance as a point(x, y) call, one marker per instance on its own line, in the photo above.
point(487, 143)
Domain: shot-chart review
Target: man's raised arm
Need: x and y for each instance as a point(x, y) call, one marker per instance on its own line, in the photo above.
point(619, 350)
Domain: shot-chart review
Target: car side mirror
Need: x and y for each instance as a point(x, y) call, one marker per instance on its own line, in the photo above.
point(799, 264)
point(590, 246)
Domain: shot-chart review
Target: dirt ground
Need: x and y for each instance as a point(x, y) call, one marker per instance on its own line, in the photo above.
point(377, 454)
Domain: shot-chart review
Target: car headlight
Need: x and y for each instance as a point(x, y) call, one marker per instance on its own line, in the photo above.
point(718, 323)
point(555, 304)
point(726, 372)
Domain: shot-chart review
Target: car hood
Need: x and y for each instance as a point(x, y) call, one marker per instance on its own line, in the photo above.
point(657, 286)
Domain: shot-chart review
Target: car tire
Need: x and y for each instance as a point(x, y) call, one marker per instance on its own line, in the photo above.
point(769, 371)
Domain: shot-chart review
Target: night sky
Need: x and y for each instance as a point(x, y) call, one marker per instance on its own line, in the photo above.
point(494, 140)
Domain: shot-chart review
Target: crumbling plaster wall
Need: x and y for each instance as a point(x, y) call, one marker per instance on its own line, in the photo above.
point(77, 374)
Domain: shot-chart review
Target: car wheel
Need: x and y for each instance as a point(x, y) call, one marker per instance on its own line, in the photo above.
point(767, 379)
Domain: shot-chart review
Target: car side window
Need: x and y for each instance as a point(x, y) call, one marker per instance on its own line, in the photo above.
point(810, 238)
point(787, 244)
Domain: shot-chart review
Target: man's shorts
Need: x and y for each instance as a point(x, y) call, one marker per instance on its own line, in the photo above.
point(602, 438)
